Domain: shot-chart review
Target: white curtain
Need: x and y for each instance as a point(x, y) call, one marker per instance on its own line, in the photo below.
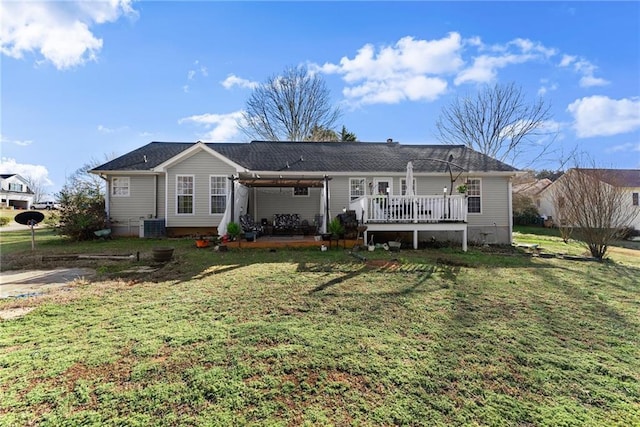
point(240, 207)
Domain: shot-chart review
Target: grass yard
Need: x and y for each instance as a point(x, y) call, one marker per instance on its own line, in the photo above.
point(303, 337)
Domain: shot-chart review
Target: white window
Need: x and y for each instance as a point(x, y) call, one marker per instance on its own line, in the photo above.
point(218, 193)
point(356, 188)
point(403, 186)
point(13, 186)
point(474, 195)
point(300, 191)
point(120, 187)
point(184, 194)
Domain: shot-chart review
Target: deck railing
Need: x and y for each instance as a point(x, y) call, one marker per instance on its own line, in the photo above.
point(408, 209)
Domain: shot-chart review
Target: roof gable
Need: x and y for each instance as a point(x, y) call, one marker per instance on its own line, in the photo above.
point(195, 148)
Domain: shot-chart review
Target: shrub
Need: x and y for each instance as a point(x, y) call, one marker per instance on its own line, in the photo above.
point(626, 233)
point(525, 211)
point(82, 211)
point(4, 220)
point(52, 220)
point(335, 227)
point(233, 229)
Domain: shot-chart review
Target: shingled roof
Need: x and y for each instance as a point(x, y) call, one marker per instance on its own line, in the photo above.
point(617, 177)
point(318, 157)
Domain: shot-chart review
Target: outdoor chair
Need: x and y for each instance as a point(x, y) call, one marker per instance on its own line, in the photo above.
point(250, 226)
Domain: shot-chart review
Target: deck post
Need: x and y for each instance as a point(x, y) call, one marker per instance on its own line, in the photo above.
point(464, 239)
point(415, 238)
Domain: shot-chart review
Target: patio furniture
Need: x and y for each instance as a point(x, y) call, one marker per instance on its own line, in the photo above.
point(250, 227)
point(287, 224)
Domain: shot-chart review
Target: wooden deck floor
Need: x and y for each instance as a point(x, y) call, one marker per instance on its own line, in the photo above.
point(290, 242)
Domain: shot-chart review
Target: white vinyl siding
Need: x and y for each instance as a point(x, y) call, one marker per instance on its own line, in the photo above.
point(144, 201)
point(218, 191)
point(201, 165)
point(185, 195)
point(120, 186)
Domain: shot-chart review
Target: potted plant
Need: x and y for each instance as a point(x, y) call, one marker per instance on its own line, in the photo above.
point(335, 228)
point(462, 188)
point(234, 230)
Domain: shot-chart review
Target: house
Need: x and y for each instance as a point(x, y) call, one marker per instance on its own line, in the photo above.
point(626, 179)
point(532, 189)
point(186, 188)
point(15, 192)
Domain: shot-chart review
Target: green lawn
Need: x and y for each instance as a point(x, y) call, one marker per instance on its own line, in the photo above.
point(254, 337)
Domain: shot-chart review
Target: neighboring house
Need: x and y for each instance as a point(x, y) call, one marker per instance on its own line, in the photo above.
point(532, 189)
point(186, 188)
point(15, 192)
point(627, 179)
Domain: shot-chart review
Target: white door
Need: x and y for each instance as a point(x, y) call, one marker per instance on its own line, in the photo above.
point(383, 186)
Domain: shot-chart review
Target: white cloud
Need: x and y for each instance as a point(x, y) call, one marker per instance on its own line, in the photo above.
point(484, 68)
point(22, 143)
point(590, 81)
point(233, 80)
point(38, 173)
point(219, 127)
point(585, 68)
point(546, 87)
point(104, 129)
point(623, 148)
point(408, 70)
point(59, 31)
point(603, 116)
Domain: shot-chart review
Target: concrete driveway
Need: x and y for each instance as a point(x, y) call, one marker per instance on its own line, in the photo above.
point(29, 282)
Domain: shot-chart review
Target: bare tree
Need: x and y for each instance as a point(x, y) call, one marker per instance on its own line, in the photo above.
point(498, 122)
point(37, 185)
point(288, 106)
point(592, 203)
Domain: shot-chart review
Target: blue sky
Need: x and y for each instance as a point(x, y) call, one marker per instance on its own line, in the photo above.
point(86, 80)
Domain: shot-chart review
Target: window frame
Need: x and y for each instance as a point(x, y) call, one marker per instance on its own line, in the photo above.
point(16, 187)
point(635, 199)
point(363, 183)
point(192, 195)
point(403, 186)
point(470, 189)
point(293, 192)
point(211, 194)
point(114, 187)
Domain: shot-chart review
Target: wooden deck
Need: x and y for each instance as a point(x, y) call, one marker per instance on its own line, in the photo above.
point(296, 241)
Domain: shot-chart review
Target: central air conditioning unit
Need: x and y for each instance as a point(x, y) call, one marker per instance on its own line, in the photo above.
point(152, 228)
